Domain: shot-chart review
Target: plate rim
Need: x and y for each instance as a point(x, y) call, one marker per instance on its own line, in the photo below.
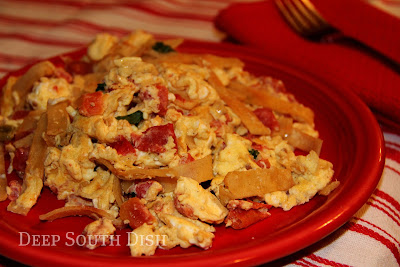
point(35, 256)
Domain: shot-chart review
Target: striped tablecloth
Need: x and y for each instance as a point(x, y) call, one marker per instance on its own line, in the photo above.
point(34, 29)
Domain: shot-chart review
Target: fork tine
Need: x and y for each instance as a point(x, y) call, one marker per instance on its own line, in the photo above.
point(314, 13)
point(288, 17)
point(311, 17)
point(304, 18)
point(298, 16)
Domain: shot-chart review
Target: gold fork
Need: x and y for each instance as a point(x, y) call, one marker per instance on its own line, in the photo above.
point(303, 17)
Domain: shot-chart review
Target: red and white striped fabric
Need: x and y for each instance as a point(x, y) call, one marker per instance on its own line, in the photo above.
point(33, 29)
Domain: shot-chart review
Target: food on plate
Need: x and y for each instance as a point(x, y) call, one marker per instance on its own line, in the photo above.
point(137, 135)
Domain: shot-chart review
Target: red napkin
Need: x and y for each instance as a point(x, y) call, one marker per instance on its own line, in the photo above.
point(260, 24)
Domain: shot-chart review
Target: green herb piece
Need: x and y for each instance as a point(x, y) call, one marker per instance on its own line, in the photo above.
point(134, 118)
point(254, 153)
point(101, 87)
point(6, 133)
point(162, 48)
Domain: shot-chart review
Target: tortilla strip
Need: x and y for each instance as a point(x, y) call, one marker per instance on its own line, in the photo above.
point(28, 124)
point(117, 191)
point(224, 195)
point(24, 142)
point(248, 118)
point(258, 182)
point(6, 99)
point(329, 188)
point(262, 98)
point(33, 180)
point(199, 170)
point(25, 83)
point(304, 141)
point(285, 126)
point(57, 124)
point(3, 178)
point(91, 212)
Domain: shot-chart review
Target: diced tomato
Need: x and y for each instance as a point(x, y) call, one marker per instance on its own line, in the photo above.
point(20, 114)
point(263, 163)
point(228, 118)
point(186, 159)
point(163, 96)
point(266, 116)
point(78, 67)
point(218, 126)
point(180, 98)
point(136, 213)
point(15, 190)
point(20, 158)
point(184, 209)
point(145, 95)
point(276, 84)
point(141, 188)
point(155, 138)
point(92, 104)
point(257, 146)
point(123, 146)
point(61, 73)
point(239, 218)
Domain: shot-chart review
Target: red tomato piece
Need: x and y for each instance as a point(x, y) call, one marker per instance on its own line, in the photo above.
point(61, 73)
point(15, 188)
point(184, 209)
point(20, 158)
point(263, 163)
point(155, 138)
point(92, 104)
point(142, 188)
point(257, 146)
point(145, 95)
point(218, 126)
point(20, 114)
point(266, 116)
point(163, 96)
point(186, 159)
point(239, 218)
point(79, 67)
point(180, 98)
point(123, 146)
point(136, 213)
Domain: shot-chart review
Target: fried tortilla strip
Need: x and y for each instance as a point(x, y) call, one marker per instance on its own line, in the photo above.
point(248, 118)
point(6, 99)
point(258, 182)
point(263, 98)
point(304, 141)
point(285, 126)
point(199, 170)
point(57, 124)
point(24, 142)
point(117, 191)
point(25, 83)
point(224, 195)
point(198, 59)
point(29, 124)
point(63, 212)
point(33, 180)
point(3, 178)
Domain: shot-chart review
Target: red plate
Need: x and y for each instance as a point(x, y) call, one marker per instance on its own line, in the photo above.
point(353, 142)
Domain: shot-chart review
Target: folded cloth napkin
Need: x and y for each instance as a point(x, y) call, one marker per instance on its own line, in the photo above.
point(350, 67)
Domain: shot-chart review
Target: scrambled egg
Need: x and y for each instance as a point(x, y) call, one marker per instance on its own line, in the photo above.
point(157, 112)
point(47, 89)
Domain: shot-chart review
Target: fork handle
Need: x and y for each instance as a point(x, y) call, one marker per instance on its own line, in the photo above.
point(354, 17)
